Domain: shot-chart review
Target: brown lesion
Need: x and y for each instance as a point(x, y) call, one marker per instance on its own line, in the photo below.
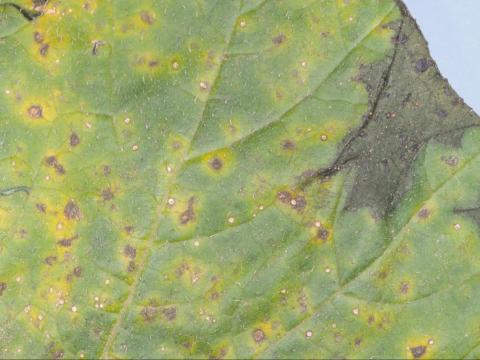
point(279, 39)
point(147, 17)
point(216, 163)
point(35, 112)
point(67, 242)
point(74, 139)
point(72, 211)
point(418, 351)
point(189, 214)
point(107, 194)
point(53, 162)
point(258, 336)
point(130, 252)
point(3, 287)
point(170, 313)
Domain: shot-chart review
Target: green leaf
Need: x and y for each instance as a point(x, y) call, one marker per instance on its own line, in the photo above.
point(233, 179)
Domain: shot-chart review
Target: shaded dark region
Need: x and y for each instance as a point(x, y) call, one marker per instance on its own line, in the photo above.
point(410, 104)
point(28, 14)
point(473, 213)
point(15, 189)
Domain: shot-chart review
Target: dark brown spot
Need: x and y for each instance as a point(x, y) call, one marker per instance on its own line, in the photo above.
point(371, 319)
point(58, 354)
point(147, 18)
point(284, 196)
point(279, 39)
point(401, 39)
point(153, 63)
point(53, 162)
point(67, 242)
point(149, 313)
point(322, 234)
point(72, 211)
point(49, 260)
point(74, 139)
point(424, 213)
point(288, 145)
point(418, 351)
point(35, 112)
point(131, 266)
point(107, 170)
point(450, 160)
point(382, 275)
point(96, 46)
point(107, 194)
point(258, 335)
point(298, 203)
point(77, 271)
point(181, 269)
point(38, 37)
point(189, 214)
point(216, 163)
point(214, 296)
point(129, 229)
point(187, 345)
point(39, 2)
point(44, 49)
point(358, 342)
point(404, 288)
point(170, 313)
point(3, 287)
point(41, 207)
point(442, 114)
point(130, 251)
point(422, 65)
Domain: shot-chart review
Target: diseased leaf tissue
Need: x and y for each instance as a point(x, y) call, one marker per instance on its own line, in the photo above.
point(233, 179)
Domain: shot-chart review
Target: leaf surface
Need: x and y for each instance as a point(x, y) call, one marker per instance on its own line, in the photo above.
point(233, 179)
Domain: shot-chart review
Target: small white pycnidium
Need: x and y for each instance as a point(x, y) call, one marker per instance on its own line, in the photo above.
point(457, 227)
point(135, 147)
point(243, 23)
point(431, 342)
point(47, 177)
point(88, 125)
point(318, 224)
point(196, 243)
point(355, 311)
point(101, 306)
point(127, 120)
point(7, 92)
point(171, 201)
point(309, 333)
point(293, 202)
point(323, 137)
point(74, 308)
point(18, 279)
point(303, 63)
point(169, 169)
point(261, 207)
point(27, 309)
point(283, 291)
point(350, 18)
point(57, 61)
point(107, 282)
point(96, 298)
point(231, 220)
point(59, 226)
point(328, 270)
point(81, 355)
point(203, 85)
point(334, 326)
point(61, 301)
point(40, 317)
point(175, 65)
